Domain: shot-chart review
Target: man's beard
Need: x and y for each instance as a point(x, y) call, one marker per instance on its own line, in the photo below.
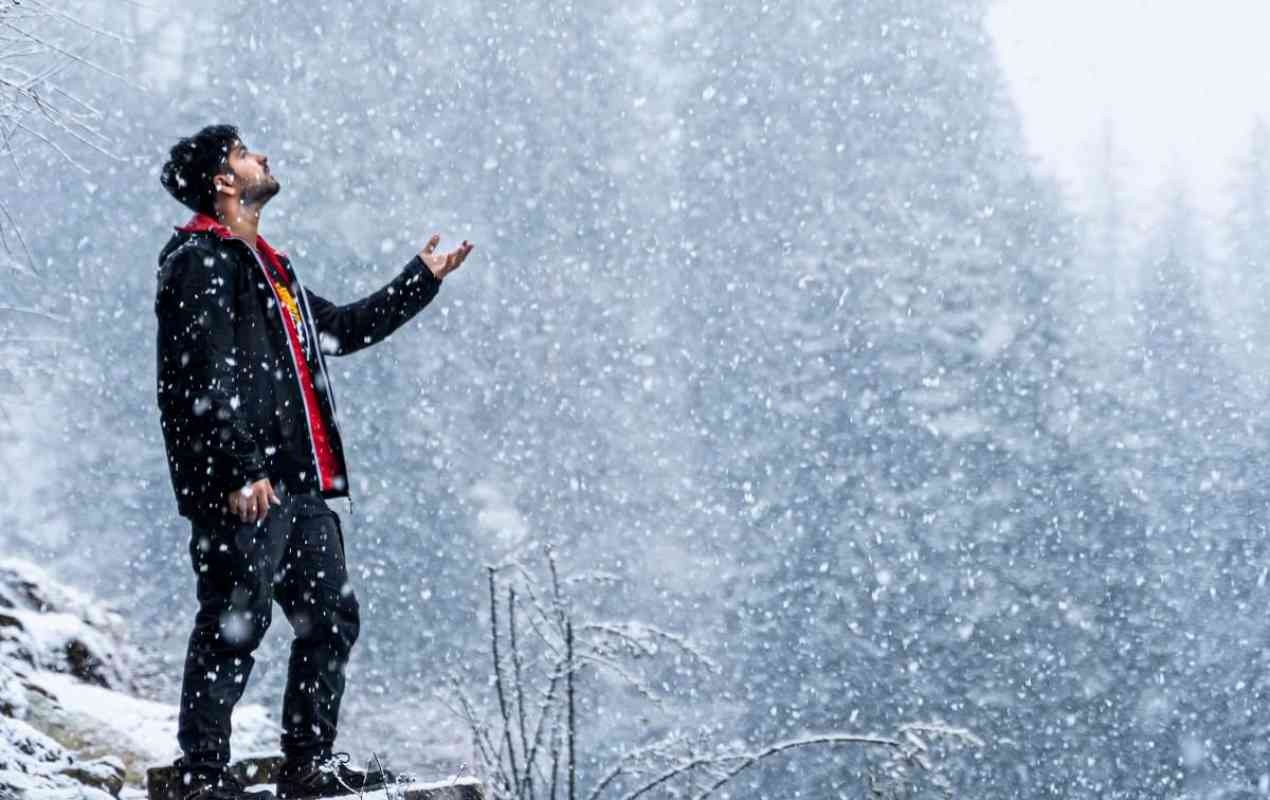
point(260, 193)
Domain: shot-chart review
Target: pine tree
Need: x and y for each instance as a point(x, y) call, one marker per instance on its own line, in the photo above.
point(921, 545)
point(1248, 259)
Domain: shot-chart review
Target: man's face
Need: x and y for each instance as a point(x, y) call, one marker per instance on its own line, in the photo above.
point(256, 185)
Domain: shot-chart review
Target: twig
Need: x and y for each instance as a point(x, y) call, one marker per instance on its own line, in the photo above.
point(555, 585)
point(81, 23)
point(459, 773)
point(628, 633)
point(484, 744)
point(34, 339)
point(780, 747)
point(544, 711)
point(380, 766)
point(555, 758)
point(67, 53)
point(634, 682)
point(498, 679)
point(572, 728)
point(529, 585)
point(4, 209)
point(520, 692)
point(31, 94)
point(36, 312)
point(620, 767)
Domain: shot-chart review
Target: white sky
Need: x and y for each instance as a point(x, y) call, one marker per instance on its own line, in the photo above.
point(1180, 80)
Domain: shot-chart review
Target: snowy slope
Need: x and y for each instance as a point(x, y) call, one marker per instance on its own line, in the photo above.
point(71, 723)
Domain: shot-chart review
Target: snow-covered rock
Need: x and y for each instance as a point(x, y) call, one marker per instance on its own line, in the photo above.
point(45, 625)
point(71, 725)
point(36, 766)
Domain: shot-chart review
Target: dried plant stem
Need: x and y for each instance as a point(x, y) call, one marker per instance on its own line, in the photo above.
point(543, 713)
point(31, 103)
point(498, 681)
point(542, 753)
point(485, 745)
point(527, 789)
point(572, 726)
point(555, 759)
point(779, 747)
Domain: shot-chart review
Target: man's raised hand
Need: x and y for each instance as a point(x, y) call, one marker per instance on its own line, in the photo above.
point(443, 264)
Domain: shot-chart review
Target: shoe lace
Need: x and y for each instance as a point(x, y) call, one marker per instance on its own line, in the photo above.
point(334, 764)
point(334, 760)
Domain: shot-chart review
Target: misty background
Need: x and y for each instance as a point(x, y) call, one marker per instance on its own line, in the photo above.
point(909, 356)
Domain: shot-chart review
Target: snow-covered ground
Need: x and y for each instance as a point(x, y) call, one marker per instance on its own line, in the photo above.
point(71, 723)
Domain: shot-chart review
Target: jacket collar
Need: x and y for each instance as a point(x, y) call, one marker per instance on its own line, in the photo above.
point(203, 223)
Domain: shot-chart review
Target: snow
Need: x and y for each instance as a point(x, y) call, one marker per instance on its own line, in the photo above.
point(773, 315)
point(34, 766)
point(146, 728)
point(69, 708)
point(51, 626)
point(399, 789)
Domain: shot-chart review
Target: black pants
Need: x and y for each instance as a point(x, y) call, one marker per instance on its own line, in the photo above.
point(295, 556)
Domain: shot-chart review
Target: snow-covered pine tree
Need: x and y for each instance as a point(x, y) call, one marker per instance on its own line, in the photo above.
point(1246, 259)
point(892, 410)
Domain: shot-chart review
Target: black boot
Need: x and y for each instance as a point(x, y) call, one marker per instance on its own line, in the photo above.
point(208, 784)
point(327, 776)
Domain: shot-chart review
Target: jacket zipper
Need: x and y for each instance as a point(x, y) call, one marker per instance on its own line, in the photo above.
point(294, 365)
point(330, 388)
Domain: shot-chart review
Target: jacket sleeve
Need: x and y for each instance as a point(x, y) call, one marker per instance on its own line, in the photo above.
point(348, 328)
point(196, 327)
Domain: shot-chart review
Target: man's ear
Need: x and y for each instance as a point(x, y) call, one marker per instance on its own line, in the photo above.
point(224, 183)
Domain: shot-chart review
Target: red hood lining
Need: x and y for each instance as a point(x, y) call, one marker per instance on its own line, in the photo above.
point(201, 223)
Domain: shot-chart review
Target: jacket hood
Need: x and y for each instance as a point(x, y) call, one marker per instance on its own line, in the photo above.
point(198, 224)
point(201, 224)
point(178, 238)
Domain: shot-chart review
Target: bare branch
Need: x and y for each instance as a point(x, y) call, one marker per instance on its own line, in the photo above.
point(520, 691)
point(30, 103)
point(573, 725)
point(67, 53)
point(4, 209)
point(555, 758)
point(35, 311)
point(751, 759)
point(498, 679)
point(679, 765)
point(616, 668)
point(657, 747)
point(543, 714)
point(74, 21)
point(36, 339)
point(639, 637)
point(485, 745)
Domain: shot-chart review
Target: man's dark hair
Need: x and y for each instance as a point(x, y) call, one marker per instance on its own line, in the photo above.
point(193, 162)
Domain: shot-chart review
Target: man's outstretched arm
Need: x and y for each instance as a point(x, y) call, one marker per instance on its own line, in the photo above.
point(345, 329)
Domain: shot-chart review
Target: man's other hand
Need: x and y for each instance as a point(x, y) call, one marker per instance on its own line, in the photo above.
point(443, 264)
point(251, 503)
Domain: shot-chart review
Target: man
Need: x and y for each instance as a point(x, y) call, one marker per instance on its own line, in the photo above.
point(254, 451)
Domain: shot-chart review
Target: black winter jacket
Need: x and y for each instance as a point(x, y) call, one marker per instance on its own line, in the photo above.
point(230, 403)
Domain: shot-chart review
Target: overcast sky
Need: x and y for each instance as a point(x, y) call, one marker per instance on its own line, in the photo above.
point(1181, 80)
